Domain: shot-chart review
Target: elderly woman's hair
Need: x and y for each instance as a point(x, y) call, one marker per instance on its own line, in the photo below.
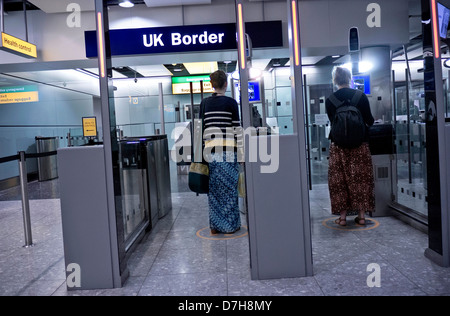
point(342, 76)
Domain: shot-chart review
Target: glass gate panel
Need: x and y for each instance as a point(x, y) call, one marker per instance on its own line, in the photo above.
point(410, 140)
point(317, 90)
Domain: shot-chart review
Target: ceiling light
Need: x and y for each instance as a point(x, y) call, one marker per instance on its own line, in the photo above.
point(201, 68)
point(364, 66)
point(86, 72)
point(126, 4)
point(254, 74)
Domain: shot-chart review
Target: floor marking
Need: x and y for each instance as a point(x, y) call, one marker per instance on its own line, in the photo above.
point(205, 233)
point(351, 225)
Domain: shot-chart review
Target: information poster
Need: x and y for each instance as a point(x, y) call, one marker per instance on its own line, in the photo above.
point(89, 126)
point(19, 94)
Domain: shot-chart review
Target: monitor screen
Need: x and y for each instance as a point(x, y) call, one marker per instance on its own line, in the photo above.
point(361, 83)
point(444, 16)
point(254, 91)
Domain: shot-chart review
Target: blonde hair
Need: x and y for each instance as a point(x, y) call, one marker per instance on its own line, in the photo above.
point(342, 76)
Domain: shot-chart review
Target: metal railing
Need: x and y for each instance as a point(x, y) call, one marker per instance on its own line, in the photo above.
point(21, 157)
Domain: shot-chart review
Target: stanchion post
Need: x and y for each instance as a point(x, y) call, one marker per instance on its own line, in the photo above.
point(25, 200)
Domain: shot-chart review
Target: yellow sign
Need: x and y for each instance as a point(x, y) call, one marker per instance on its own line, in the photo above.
point(89, 126)
point(17, 46)
point(22, 94)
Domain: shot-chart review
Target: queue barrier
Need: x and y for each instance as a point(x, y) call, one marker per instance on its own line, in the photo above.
point(21, 157)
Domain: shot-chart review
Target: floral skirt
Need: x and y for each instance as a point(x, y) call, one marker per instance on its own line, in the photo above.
point(223, 199)
point(351, 180)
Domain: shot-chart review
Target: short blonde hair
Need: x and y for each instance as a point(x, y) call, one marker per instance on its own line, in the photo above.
point(342, 76)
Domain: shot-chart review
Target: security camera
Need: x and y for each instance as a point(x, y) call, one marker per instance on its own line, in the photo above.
point(135, 80)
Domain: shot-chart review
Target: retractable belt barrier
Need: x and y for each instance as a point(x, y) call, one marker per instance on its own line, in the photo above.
point(21, 157)
point(9, 158)
point(17, 157)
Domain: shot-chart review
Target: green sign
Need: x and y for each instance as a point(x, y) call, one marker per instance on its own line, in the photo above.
point(182, 85)
point(190, 79)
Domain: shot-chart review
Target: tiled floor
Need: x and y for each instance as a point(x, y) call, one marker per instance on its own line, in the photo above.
point(173, 260)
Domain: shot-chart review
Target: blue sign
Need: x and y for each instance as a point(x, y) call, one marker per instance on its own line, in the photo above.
point(362, 83)
point(179, 39)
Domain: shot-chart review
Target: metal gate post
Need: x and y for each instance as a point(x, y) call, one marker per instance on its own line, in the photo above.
point(25, 200)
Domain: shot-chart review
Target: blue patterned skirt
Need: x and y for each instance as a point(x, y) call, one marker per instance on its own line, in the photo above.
point(223, 199)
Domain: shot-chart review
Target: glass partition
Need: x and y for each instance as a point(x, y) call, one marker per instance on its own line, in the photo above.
point(446, 76)
point(56, 103)
point(410, 135)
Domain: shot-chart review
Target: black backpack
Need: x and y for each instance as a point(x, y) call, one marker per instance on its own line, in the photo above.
point(348, 128)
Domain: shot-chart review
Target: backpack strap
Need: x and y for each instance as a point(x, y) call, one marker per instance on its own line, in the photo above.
point(203, 108)
point(335, 101)
point(355, 100)
point(357, 97)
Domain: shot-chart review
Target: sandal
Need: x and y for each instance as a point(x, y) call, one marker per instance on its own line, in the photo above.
point(341, 222)
point(360, 220)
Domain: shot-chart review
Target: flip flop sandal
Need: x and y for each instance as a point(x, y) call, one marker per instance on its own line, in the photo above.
point(358, 221)
point(341, 222)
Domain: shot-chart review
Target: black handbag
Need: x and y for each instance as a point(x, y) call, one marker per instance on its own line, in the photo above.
point(199, 169)
point(199, 178)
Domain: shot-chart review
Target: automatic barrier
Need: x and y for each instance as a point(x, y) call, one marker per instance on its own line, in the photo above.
point(96, 236)
point(148, 158)
point(383, 158)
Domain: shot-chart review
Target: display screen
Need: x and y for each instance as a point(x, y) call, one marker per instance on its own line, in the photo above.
point(254, 91)
point(361, 83)
point(444, 16)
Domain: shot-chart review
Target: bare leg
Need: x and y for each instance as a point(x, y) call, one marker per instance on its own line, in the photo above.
point(361, 218)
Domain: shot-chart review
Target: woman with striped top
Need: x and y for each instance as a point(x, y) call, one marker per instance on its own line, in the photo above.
point(222, 125)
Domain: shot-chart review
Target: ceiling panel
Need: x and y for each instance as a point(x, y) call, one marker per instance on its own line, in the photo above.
point(163, 3)
point(153, 71)
point(52, 6)
point(201, 68)
point(59, 6)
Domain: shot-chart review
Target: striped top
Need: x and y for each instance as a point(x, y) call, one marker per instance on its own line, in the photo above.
point(222, 122)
